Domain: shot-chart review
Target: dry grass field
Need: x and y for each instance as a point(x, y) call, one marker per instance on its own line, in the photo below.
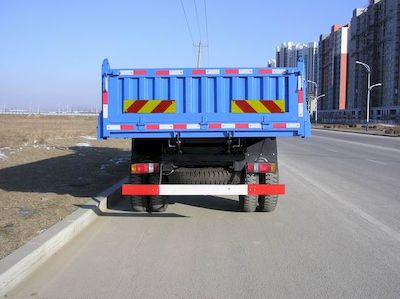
point(49, 166)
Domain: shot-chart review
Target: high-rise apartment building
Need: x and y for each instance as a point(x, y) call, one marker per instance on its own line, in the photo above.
point(374, 38)
point(310, 55)
point(288, 53)
point(332, 74)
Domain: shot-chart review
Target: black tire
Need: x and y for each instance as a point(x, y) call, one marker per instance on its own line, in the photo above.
point(268, 203)
point(139, 203)
point(157, 203)
point(206, 175)
point(248, 203)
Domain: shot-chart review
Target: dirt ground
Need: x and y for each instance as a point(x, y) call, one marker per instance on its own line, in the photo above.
point(49, 166)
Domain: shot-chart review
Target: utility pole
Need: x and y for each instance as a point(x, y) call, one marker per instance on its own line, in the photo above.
point(199, 55)
point(199, 46)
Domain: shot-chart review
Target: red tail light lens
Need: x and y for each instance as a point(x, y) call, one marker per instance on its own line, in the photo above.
point(250, 167)
point(260, 167)
point(145, 168)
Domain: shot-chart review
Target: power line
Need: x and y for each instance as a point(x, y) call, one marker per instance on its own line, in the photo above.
point(197, 18)
point(187, 22)
point(198, 45)
point(208, 44)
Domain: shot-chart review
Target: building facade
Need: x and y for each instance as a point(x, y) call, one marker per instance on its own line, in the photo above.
point(332, 74)
point(374, 38)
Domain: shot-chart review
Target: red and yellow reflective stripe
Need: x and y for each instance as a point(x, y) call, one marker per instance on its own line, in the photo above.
point(258, 106)
point(149, 106)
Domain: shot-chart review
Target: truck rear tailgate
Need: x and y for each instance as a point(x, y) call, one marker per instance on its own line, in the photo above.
point(203, 103)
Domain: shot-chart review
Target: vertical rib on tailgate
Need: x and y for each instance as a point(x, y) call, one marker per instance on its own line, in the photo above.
point(203, 103)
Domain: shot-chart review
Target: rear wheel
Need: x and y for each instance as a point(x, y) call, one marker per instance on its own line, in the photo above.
point(139, 203)
point(248, 203)
point(158, 203)
point(268, 203)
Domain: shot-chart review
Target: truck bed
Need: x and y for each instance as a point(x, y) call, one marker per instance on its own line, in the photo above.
point(203, 103)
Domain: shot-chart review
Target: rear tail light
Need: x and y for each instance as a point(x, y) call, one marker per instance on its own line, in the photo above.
point(260, 167)
point(145, 168)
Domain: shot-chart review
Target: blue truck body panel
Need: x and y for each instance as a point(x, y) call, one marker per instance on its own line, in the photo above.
point(203, 99)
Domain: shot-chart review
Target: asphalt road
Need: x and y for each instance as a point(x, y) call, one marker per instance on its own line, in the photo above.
point(336, 234)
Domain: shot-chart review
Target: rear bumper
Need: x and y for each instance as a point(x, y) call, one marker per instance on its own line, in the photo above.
point(256, 189)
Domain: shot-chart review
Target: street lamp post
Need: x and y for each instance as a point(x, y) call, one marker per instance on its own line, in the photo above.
point(369, 88)
point(316, 97)
point(316, 94)
point(316, 106)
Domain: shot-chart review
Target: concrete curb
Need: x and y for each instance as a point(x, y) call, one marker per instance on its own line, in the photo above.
point(355, 132)
point(18, 265)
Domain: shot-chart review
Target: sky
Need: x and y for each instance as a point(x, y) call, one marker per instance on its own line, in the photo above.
point(51, 51)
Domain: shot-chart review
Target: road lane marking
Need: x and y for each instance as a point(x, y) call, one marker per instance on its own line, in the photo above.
point(377, 162)
point(360, 143)
point(331, 150)
point(372, 220)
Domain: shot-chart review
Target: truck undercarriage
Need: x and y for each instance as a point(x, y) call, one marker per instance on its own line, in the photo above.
point(222, 161)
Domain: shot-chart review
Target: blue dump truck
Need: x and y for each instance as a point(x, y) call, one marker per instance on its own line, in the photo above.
point(203, 131)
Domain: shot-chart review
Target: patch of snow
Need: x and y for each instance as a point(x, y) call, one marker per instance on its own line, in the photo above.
point(119, 160)
point(3, 156)
point(83, 144)
point(24, 211)
point(89, 137)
